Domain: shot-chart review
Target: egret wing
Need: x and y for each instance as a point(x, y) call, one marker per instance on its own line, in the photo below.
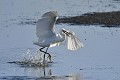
point(73, 43)
point(44, 27)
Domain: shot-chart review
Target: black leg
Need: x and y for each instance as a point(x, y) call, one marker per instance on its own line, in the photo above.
point(41, 49)
point(49, 56)
point(44, 71)
point(45, 52)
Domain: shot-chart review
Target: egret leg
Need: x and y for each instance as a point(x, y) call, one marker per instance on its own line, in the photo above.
point(45, 52)
point(42, 50)
point(49, 56)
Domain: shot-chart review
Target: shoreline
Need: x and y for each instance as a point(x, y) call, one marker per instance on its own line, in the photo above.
point(106, 19)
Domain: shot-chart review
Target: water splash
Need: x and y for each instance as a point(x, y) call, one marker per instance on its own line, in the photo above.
point(33, 59)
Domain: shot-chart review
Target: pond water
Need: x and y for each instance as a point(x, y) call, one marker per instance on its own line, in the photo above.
point(98, 60)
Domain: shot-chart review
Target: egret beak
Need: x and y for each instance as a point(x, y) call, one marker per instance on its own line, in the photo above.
point(65, 32)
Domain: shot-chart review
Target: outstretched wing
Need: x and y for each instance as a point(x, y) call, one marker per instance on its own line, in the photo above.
point(73, 43)
point(45, 25)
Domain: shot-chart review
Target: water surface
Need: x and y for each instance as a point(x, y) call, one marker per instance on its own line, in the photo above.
point(98, 60)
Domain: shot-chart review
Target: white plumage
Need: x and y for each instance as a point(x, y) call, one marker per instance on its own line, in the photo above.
point(47, 36)
point(74, 43)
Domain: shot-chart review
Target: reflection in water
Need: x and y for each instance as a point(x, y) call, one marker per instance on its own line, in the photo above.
point(75, 77)
point(38, 71)
point(46, 73)
point(32, 65)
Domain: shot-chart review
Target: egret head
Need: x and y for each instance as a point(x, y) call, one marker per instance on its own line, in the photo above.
point(65, 32)
point(68, 33)
point(51, 14)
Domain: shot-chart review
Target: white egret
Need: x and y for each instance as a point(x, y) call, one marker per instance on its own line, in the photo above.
point(47, 37)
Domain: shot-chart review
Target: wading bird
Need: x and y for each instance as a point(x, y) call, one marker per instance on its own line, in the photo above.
point(47, 37)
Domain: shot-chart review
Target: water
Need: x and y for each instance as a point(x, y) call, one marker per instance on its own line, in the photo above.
point(98, 60)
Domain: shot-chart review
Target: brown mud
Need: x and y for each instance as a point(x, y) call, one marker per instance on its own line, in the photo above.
point(108, 19)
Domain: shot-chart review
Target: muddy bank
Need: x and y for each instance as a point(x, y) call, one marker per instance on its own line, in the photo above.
point(108, 19)
point(105, 19)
